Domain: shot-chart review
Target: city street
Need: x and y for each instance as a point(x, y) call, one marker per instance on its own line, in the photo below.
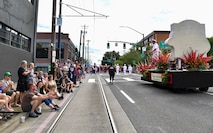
point(154, 109)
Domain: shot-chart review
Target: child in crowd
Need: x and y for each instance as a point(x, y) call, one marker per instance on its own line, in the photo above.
point(63, 85)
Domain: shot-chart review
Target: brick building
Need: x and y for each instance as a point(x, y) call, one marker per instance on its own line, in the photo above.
point(64, 52)
point(157, 35)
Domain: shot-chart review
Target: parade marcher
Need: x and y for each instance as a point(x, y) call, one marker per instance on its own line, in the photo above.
point(111, 73)
point(130, 69)
point(117, 68)
point(124, 68)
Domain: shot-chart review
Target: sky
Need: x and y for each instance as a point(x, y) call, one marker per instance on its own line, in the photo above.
point(143, 16)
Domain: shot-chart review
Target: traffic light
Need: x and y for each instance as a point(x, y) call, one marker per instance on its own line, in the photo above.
point(108, 45)
point(76, 51)
point(124, 46)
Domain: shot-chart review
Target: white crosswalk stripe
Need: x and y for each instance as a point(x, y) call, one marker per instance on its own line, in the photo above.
point(120, 80)
point(129, 79)
point(91, 81)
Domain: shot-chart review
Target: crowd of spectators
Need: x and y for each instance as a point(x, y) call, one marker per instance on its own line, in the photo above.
point(36, 87)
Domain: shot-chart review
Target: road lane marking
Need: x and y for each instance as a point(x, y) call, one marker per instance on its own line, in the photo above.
point(129, 79)
point(107, 80)
point(129, 98)
point(91, 81)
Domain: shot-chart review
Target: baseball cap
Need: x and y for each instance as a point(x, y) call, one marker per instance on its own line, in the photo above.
point(7, 74)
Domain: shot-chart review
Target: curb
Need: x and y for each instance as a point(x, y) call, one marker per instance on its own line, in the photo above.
point(122, 122)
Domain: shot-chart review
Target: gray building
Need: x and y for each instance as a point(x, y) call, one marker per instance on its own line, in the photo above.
point(18, 22)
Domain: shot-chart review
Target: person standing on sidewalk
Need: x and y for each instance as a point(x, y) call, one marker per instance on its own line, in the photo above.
point(22, 79)
point(111, 73)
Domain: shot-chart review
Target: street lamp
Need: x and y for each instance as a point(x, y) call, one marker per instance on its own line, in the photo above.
point(135, 31)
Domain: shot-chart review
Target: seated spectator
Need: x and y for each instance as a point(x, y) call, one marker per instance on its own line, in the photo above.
point(40, 75)
point(63, 85)
point(69, 84)
point(31, 101)
point(49, 102)
point(9, 89)
point(45, 78)
point(51, 86)
point(4, 103)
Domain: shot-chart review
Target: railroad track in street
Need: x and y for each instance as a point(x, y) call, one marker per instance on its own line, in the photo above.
point(61, 116)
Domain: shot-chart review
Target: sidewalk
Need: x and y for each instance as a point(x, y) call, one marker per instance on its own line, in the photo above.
point(85, 113)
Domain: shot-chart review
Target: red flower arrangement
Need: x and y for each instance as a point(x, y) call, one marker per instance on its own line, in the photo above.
point(143, 68)
point(193, 60)
point(161, 62)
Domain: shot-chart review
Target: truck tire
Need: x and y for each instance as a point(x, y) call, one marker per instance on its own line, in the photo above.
point(204, 89)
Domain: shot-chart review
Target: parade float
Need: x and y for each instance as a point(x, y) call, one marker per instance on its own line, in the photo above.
point(184, 63)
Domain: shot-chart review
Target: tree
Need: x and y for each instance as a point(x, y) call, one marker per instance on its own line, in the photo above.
point(132, 57)
point(110, 57)
point(210, 53)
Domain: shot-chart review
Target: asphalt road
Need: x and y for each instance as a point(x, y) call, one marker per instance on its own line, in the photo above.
point(154, 109)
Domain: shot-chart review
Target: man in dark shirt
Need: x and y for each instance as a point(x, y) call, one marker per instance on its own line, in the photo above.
point(111, 73)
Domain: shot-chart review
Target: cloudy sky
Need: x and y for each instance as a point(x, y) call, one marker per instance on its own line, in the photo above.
point(144, 16)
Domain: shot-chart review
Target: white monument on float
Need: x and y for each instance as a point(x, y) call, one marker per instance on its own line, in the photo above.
point(186, 35)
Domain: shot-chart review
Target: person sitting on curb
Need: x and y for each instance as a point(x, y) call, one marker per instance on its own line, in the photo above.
point(49, 102)
point(9, 89)
point(5, 100)
point(4, 103)
point(51, 86)
point(69, 84)
point(31, 101)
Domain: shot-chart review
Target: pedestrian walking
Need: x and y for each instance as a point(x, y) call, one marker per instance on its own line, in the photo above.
point(111, 73)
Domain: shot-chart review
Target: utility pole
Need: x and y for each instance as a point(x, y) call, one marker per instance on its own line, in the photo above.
point(84, 32)
point(59, 31)
point(79, 53)
point(88, 50)
point(53, 52)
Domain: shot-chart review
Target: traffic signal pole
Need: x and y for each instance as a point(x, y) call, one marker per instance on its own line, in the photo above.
point(123, 42)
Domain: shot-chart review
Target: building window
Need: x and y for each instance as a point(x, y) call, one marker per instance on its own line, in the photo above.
point(13, 38)
point(42, 50)
point(25, 43)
